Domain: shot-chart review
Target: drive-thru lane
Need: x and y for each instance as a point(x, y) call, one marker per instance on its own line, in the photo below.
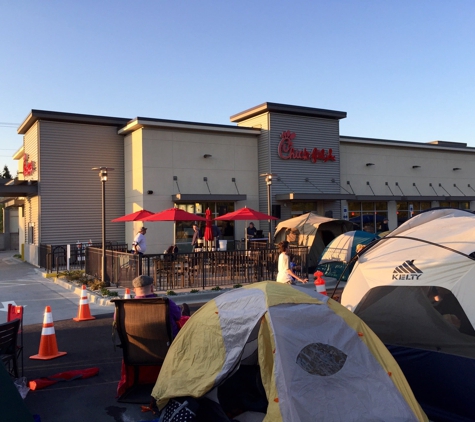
point(23, 284)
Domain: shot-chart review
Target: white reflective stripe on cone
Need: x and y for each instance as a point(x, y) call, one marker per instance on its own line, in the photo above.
point(48, 319)
point(47, 331)
point(83, 301)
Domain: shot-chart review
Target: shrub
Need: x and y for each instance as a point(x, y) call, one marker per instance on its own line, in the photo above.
point(96, 285)
point(107, 292)
point(236, 286)
point(216, 288)
point(194, 291)
point(171, 293)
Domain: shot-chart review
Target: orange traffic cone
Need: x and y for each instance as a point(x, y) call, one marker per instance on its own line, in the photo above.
point(320, 286)
point(48, 346)
point(84, 314)
point(127, 293)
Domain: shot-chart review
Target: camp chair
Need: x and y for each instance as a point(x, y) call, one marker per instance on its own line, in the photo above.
point(144, 330)
point(15, 312)
point(8, 345)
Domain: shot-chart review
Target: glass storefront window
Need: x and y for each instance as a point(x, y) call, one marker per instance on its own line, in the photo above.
point(184, 229)
point(302, 207)
point(406, 210)
point(368, 216)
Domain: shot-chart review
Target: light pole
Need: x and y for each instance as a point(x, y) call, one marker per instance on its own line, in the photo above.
point(268, 179)
point(103, 176)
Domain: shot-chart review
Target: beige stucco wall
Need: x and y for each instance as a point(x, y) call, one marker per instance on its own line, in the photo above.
point(394, 164)
point(155, 155)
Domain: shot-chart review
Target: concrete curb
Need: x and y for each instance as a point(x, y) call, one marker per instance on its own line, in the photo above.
point(180, 298)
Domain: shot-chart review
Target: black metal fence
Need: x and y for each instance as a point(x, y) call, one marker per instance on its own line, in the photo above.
point(55, 257)
point(196, 270)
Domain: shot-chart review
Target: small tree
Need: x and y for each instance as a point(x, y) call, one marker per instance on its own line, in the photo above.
point(6, 173)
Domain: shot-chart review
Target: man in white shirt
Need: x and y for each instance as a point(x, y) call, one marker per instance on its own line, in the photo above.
point(139, 244)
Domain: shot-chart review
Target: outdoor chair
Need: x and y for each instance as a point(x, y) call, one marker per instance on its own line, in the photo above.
point(15, 312)
point(144, 330)
point(8, 346)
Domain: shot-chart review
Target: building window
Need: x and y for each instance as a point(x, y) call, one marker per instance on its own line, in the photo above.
point(184, 229)
point(455, 204)
point(31, 233)
point(299, 208)
point(406, 210)
point(368, 216)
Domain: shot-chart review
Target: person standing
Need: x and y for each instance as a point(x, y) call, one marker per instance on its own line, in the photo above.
point(285, 274)
point(196, 237)
point(139, 244)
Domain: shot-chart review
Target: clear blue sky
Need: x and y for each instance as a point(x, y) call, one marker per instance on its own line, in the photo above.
point(401, 69)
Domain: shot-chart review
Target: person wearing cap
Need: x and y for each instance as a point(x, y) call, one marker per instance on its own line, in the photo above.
point(139, 244)
point(143, 288)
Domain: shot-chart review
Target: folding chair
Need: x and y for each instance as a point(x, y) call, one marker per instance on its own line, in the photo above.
point(144, 330)
point(15, 312)
point(8, 346)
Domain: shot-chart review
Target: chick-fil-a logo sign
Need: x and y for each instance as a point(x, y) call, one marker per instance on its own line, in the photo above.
point(28, 166)
point(287, 151)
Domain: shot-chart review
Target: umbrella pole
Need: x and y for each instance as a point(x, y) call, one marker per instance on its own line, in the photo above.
point(245, 235)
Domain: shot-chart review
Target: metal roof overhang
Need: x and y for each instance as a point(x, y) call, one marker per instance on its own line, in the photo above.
point(19, 189)
point(311, 197)
point(184, 197)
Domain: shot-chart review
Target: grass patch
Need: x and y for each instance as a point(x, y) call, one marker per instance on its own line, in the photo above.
point(236, 286)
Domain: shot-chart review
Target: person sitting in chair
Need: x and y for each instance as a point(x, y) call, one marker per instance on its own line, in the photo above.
point(143, 288)
point(251, 231)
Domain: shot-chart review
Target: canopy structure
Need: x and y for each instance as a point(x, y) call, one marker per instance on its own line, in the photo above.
point(303, 358)
point(311, 230)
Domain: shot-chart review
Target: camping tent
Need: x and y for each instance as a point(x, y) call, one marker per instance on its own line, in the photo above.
point(311, 230)
point(415, 288)
point(339, 252)
point(315, 360)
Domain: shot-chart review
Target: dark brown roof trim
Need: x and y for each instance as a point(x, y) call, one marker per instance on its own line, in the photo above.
point(287, 109)
point(184, 197)
point(57, 116)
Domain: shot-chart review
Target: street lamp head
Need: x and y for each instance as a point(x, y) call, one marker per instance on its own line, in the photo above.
point(268, 177)
point(103, 172)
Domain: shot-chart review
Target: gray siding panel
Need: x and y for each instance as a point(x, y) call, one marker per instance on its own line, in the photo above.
point(311, 133)
point(71, 193)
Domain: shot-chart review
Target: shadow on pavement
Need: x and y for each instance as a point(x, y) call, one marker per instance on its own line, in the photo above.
point(88, 344)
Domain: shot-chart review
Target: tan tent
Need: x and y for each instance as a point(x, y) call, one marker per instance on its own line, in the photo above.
point(311, 230)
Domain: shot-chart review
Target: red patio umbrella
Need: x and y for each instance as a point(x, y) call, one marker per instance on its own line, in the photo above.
point(135, 216)
point(209, 227)
point(246, 214)
point(174, 214)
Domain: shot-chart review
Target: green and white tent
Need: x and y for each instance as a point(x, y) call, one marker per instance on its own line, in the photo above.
point(317, 360)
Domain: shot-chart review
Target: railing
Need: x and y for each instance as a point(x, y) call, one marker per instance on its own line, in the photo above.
point(55, 257)
point(196, 270)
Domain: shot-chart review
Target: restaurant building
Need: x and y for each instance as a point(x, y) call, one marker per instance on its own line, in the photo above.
point(158, 164)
